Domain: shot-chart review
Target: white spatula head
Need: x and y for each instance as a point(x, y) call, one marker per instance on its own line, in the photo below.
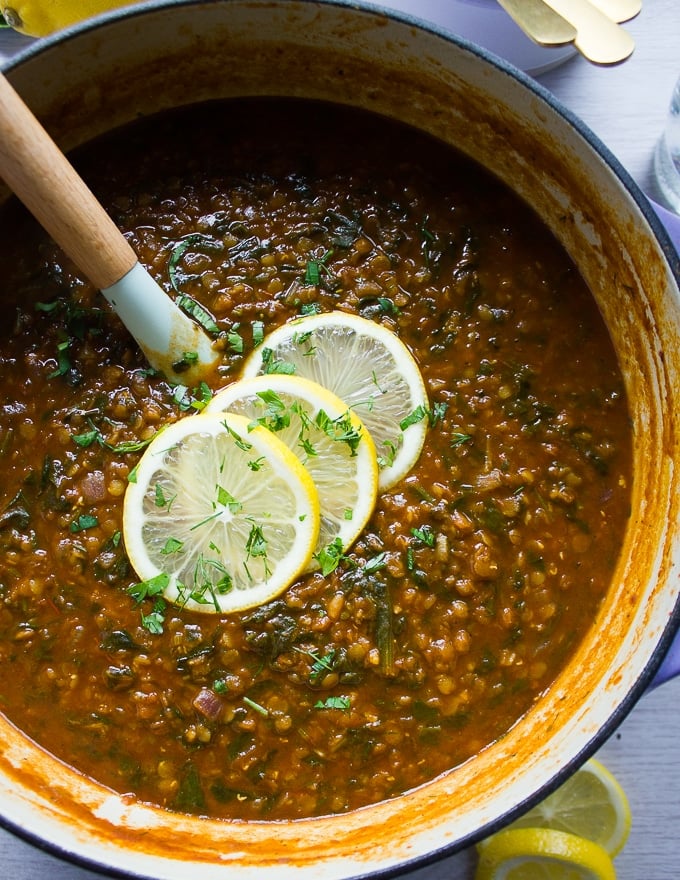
point(172, 343)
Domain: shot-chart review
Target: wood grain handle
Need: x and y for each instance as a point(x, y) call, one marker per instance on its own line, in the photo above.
point(40, 175)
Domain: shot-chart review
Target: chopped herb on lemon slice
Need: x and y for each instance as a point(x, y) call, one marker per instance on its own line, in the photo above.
point(235, 535)
point(327, 437)
point(365, 365)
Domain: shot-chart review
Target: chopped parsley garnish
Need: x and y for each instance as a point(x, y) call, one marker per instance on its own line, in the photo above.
point(313, 308)
point(202, 396)
point(126, 446)
point(389, 455)
point(437, 413)
point(201, 315)
point(341, 703)
point(235, 340)
point(317, 269)
point(321, 663)
point(83, 522)
point(197, 398)
point(63, 362)
point(257, 543)
point(242, 444)
point(256, 706)
point(375, 563)
point(226, 499)
point(329, 557)
point(312, 272)
point(341, 429)
point(87, 438)
point(172, 545)
point(425, 535)
point(206, 586)
point(271, 366)
point(188, 359)
point(276, 415)
point(161, 499)
point(258, 333)
point(154, 620)
point(419, 413)
point(149, 588)
point(152, 589)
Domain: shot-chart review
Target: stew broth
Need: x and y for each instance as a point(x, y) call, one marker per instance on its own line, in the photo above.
point(477, 575)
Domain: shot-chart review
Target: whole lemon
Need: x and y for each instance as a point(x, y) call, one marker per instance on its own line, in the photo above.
point(37, 18)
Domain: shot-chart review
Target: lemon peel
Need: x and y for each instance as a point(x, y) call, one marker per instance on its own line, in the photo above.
point(38, 18)
point(543, 854)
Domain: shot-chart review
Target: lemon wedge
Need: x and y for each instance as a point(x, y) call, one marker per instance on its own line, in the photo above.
point(543, 854)
point(365, 365)
point(38, 18)
point(327, 437)
point(223, 517)
point(590, 804)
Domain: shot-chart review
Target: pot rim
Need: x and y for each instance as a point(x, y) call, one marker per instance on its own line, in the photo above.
point(142, 7)
point(662, 237)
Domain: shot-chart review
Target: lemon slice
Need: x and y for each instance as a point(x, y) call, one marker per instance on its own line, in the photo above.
point(41, 17)
point(590, 804)
point(226, 517)
point(326, 436)
point(368, 367)
point(543, 854)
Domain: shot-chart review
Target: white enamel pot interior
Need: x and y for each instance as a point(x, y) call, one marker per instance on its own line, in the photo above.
point(160, 54)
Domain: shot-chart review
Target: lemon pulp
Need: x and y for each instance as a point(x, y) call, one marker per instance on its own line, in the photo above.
point(327, 437)
point(225, 516)
point(368, 367)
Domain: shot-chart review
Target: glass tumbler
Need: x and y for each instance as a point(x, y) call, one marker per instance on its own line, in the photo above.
point(667, 155)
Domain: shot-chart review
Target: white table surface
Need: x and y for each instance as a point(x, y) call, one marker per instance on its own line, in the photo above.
point(626, 107)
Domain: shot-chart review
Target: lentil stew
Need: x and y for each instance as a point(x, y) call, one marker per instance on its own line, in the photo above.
point(478, 573)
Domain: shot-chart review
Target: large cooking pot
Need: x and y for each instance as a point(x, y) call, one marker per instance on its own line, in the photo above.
point(161, 54)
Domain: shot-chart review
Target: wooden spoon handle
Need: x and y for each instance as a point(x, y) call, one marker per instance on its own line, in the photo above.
point(37, 171)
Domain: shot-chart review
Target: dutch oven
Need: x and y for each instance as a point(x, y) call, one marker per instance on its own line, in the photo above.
point(157, 55)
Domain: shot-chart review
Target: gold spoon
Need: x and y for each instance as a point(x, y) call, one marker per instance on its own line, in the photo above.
point(598, 38)
point(585, 23)
point(619, 10)
point(40, 175)
point(545, 26)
